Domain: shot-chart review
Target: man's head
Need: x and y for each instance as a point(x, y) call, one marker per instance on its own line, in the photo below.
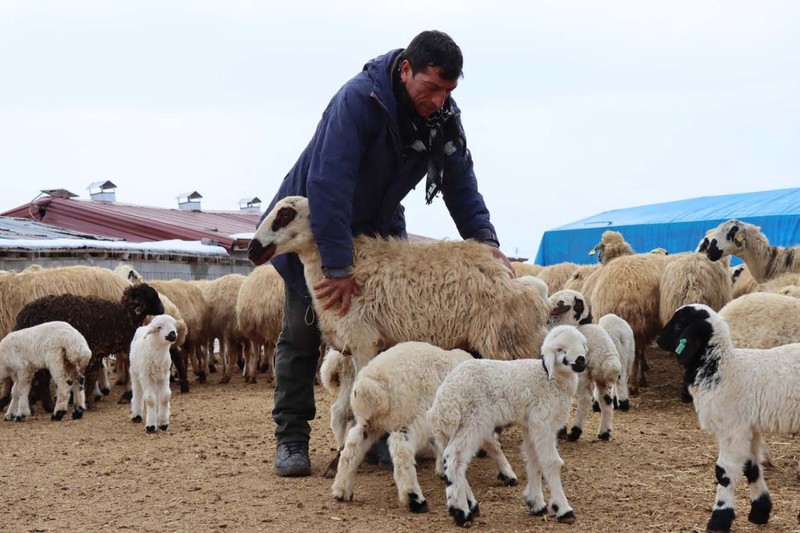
point(430, 70)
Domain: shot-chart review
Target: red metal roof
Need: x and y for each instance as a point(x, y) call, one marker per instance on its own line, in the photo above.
point(138, 223)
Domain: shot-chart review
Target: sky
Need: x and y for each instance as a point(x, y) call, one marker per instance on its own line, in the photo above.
point(570, 108)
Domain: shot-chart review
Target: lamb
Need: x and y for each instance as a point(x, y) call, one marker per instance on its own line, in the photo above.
point(537, 283)
point(762, 320)
point(56, 346)
point(739, 394)
point(621, 334)
point(480, 395)
point(746, 241)
point(108, 326)
point(150, 363)
point(392, 394)
point(450, 294)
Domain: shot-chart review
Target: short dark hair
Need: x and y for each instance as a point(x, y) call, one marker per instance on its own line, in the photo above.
point(434, 48)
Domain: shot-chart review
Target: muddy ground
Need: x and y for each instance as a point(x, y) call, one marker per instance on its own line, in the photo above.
point(213, 471)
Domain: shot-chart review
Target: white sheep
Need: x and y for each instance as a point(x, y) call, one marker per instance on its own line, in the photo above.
point(746, 241)
point(480, 395)
point(392, 395)
point(762, 320)
point(739, 394)
point(150, 363)
point(621, 334)
point(535, 282)
point(452, 294)
point(55, 346)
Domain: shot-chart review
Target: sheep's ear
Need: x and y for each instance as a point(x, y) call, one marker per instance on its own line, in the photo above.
point(692, 342)
point(549, 363)
point(560, 308)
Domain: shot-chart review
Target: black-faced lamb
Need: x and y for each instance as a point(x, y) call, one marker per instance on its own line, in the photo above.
point(480, 395)
point(392, 395)
point(56, 346)
point(150, 364)
point(450, 294)
point(108, 326)
point(739, 394)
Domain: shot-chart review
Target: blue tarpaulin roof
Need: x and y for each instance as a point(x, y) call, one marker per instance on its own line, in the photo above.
point(677, 226)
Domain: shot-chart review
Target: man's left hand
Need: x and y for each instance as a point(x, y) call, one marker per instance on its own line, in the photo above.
point(502, 257)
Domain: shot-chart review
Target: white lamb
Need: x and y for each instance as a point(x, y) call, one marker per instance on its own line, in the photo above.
point(739, 394)
point(59, 348)
point(392, 394)
point(480, 395)
point(150, 363)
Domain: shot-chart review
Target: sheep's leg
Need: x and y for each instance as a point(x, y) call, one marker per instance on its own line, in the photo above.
point(584, 398)
point(493, 449)
point(534, 497)
point(150, 408)
point(734, 453)
point(11, 412)
point(137, 400)
point(103, 383)
point(606, 410)
point(24, 379)
point(544, 443)
point(180, 366)
point(760, 502)
point(250, 361)
point(164, 395)
point(78, 394)
point(358, 441)
point(621, 395)
point(232, 354)
point(458, 453)
point(636, 376)
point(403, 446)
point(122, 368)
point(63, 386)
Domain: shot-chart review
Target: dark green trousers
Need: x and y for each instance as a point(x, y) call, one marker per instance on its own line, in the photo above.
point(296, 359)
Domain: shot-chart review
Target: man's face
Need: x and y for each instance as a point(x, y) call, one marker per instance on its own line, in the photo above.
point(427, 90)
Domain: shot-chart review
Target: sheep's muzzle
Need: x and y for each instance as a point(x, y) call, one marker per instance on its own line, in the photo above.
point(172, 336)
point(579, 365)
point(259, 254)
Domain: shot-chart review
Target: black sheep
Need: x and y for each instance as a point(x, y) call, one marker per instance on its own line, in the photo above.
point(108, 326)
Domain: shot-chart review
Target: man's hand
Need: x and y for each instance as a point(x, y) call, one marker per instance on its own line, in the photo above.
point(502, 257)
point(332, 291)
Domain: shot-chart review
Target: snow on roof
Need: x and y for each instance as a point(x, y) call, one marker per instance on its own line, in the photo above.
point(170, 246)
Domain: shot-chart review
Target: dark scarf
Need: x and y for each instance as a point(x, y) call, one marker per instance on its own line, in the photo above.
point(437, 134)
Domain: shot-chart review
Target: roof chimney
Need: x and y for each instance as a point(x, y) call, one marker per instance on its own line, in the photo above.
point(59, 193)
point(189, 201)
point(102, 191)
point(250, 205)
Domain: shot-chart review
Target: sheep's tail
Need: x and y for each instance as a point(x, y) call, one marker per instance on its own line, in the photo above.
point(444, 418)
point(611, 368)
point(336, 370)
point(370, 398)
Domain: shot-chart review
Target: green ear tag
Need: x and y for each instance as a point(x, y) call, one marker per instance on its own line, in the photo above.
point(681, 346)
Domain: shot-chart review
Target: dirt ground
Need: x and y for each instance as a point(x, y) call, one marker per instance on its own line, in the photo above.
point(213, 470)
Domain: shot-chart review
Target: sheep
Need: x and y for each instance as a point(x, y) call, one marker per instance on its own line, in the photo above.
point(128, 273)
point(621, 334)
point(259, 310)
point(108, 326)
point(612, 245)
point(742, 281)
point(579, 277)
point(526, 269)
point(480, 395)
point(392, 394)
point(555, 276)
point(746, 241)
point(762, 320)
point(450, 294)
point(150, 363)
point(692, 278)
point(739, 394)
point(537, 283)
point(780, 283)
point(56, 346)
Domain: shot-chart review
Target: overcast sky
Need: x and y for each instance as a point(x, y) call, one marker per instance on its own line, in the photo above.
point(570, 107)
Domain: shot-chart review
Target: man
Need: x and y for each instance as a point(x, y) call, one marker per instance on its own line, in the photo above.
point(384, 130)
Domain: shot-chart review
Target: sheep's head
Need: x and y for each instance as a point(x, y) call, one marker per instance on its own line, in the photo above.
point(164, 328)
point(284, 229)
point(729, 238)
point(689, 332)
point(564, 350)
point(569, 307)
point(144, 299)
point(612, 245)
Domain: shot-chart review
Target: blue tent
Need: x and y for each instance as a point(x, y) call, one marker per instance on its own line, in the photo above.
point(677, 226)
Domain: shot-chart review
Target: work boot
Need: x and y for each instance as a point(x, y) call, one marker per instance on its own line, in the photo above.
point(291, 459)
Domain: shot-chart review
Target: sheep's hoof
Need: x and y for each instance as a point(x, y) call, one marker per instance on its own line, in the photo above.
point(9, 418)
point(58, 415)
point(760, 508)
point(606, 435)
point(575, 434)
point(481, 453)
point(415, 504)
point(105, 391)
point(77, 414)
point(507, 481)
point(150, 429)
point(461, 518)
point(184, 386)
point(97, 397)
point(212, 369)
point(21, 418)
point(567, 518)
point(562, 434)
point(164, 427)
point(340, 496)
point(624, 406)
point(330, 472)
point(536, 512)
point(721, 520)
point(224, 380)
point(596, 406)
point(136, 419)
point(475, 509)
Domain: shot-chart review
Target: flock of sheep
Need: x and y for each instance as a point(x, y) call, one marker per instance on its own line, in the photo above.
point(442, 349)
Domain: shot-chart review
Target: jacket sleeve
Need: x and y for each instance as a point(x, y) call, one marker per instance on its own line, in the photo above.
point(339, 145)
point(460, 193)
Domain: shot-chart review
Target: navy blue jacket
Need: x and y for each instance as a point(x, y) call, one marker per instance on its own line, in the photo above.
point(354, 173)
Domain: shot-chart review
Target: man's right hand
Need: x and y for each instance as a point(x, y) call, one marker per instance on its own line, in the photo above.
point(333, 291)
